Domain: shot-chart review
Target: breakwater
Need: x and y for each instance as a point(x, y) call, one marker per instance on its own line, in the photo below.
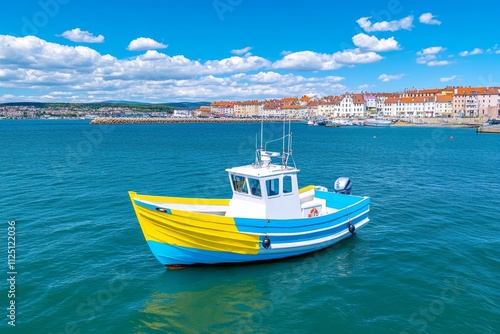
point(489, 129)
point(433, 121)
point(171, 120)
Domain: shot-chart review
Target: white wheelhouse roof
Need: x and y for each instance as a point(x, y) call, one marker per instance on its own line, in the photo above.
point(262, 172)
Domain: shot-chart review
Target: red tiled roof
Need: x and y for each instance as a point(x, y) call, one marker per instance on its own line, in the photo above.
point(358, 99)
point(222, 104)
point(391, 100)
point(477, 90)
point(444, 98)
point(254, 102)
point(423, 91)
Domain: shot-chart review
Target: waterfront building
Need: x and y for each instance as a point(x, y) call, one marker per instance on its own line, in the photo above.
point(389, 106)
point(247, 109)
point(271, 109)
point(423, 106)
point(293, 111)
point(352, 105)
point(398, 107)
point(370, 103)
point(327, 108)
point(202, 112)
point(182, 113)
point(311, 109)
point(476, 101)
point(382, 108)
point(304, 100)
point(292, 107)
point(222, 108)
point(444, 106)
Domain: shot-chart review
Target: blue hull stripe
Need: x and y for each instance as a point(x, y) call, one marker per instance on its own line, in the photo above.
point(175, 255)
point(316, 235)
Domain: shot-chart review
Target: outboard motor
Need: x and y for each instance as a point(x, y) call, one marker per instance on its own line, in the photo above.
point(343, 185)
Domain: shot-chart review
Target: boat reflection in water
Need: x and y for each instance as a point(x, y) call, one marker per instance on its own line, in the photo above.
point(249, 298)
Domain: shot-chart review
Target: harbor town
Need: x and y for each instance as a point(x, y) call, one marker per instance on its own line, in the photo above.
point(465, 106)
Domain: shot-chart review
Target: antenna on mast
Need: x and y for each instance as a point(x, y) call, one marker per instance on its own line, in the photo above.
point(261, 131)
point(284, 126)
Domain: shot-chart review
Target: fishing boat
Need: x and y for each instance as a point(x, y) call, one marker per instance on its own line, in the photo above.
point(343, 122)
point(268, 216)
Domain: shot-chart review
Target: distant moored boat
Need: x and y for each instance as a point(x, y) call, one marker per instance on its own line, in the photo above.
point(378, 122)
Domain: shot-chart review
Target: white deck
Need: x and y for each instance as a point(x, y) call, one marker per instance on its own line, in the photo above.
point(319, 204)
point(201, 208)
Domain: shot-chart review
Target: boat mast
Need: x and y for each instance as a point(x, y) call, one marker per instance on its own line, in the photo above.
point(283, 146)
point(262, 131)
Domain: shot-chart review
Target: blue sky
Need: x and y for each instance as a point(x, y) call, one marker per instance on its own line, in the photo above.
point(186, 50)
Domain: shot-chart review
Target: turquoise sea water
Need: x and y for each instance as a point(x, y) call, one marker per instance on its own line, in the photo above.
point(428, 262)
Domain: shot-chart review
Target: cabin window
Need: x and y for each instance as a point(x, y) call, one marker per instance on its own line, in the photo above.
point(255, 187)
point(273, 187)
point(239, 184)
point(287, 184)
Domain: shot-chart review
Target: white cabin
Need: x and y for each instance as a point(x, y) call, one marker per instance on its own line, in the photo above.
point(270, 191)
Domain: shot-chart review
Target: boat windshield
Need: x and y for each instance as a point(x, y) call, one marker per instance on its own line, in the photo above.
point(255, 187)
point(239, 184)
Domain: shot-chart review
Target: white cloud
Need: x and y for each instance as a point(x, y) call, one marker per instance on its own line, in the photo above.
point(313, 61)
point(431, 51)
point(405, 23)
point(446, 79)
point(425, 59)
point(241, 51)
point(363, 87)
point(428, 56)
point(45, 71)
point(497, 52)
point(307, 61)
point(372, 43)
point(476, 51)
point(387, 78)
point(77, 35)
point(145, 43)
point(31, 53)
point(355, 56)
point(265, 77)
point(428, 18)
point(439, 63)
point(236, 64)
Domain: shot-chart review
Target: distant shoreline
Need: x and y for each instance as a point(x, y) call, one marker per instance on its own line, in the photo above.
point(168, 120)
